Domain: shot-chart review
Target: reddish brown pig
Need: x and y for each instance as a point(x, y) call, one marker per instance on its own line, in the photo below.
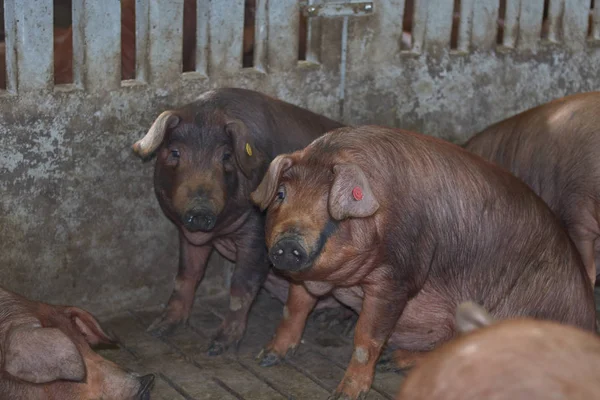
point(45, 354)
point(554, 148)
point(514, 359)
point(211, 154)
point(403, 227)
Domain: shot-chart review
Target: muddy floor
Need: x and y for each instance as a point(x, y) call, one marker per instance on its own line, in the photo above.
point(184, 371)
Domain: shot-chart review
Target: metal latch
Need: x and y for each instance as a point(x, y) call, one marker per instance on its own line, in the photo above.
point(338, 9)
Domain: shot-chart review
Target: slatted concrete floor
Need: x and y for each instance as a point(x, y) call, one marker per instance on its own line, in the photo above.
point(184, 371)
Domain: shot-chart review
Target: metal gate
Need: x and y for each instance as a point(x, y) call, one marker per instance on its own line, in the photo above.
point(78, 219)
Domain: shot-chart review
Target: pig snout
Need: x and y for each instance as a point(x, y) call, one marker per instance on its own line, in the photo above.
point(146, 384)
point(288, 254)
point(199, 218)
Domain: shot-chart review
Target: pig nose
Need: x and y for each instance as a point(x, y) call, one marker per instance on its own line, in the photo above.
point(201, 219)
point(288, 254)
point(146, 383)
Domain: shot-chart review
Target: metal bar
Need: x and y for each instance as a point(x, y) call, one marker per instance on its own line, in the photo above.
point(485, 22)
point(33, 45)
point(10, 43)
point(313, 38)
point(339, 9)
point(97, 44)
point(226, 36)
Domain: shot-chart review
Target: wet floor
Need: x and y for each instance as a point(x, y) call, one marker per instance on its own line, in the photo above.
point(184, 371)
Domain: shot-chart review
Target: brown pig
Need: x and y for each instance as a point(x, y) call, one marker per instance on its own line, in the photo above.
point(554, 148)
point(45, 354)
point(210, 155)
point(403, 227)
point(513, 359)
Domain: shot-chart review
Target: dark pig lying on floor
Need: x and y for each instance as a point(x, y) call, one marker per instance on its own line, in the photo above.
point(513, 359)
point(555, 149)
point(211, 154)
point(45, 355)
point(402, 227)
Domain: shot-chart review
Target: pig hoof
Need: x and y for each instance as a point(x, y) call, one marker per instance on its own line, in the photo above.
point(269, 359)
point(344, 396)
point(162, 327)
point(216, 349)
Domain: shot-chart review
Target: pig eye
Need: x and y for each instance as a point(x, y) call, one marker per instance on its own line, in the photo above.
point(281, 193)
point(173, 157)
point(226, 156)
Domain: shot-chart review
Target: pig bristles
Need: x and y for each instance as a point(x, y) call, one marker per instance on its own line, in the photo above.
point(149, 143)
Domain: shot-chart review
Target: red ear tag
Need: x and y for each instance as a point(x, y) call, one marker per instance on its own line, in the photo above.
point(357, 193)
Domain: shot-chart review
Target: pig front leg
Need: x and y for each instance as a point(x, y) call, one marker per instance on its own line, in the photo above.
point(192, 263)
point(289, 331)
point(381, 309)
point(251, 270)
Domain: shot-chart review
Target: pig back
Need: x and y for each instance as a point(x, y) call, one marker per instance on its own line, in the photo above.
point(553, 148)
point(466, 229)
point(514, 359)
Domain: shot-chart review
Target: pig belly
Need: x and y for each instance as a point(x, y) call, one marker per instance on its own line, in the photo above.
point(278, 287)
point(351, 297)
point(426, 322)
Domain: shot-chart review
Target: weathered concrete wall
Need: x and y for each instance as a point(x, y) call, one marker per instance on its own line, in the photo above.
point(79, 222)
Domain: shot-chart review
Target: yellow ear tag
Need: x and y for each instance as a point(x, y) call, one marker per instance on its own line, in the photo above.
point(249, 149)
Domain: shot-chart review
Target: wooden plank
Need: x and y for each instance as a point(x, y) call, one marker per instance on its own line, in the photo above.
point(30, 64)
point(530, 24)
point(439, 25)
point(575, 24)
point(511, 23)
point(284, 21)
point(161, 33)
point(97, 44)
point(485, 22)
point(465, 27)
point(226, 37)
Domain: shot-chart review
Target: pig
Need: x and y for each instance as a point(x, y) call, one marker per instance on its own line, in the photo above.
point(512, 359)
point(210, 155)
point(402, 227)
point(554, 149)
point(45, 354)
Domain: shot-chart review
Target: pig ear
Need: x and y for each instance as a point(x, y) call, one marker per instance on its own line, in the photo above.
point(40, 355)
point(89, 326)
point(470, 316)
point(246, 154)
point(350, 194)
point(148, 144)
point(264, 193)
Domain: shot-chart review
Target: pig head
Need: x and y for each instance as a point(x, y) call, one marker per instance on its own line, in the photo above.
point(46, 355)
point(210, 155)
point(520, 358)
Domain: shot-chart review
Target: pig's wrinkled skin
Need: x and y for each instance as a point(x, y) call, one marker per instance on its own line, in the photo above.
point(555, 148)
point(513, 359)
point(45, 354)
point(211, 154)
point(434, 226)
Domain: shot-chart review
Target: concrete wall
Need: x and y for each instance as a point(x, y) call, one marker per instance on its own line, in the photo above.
point(79, 222)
